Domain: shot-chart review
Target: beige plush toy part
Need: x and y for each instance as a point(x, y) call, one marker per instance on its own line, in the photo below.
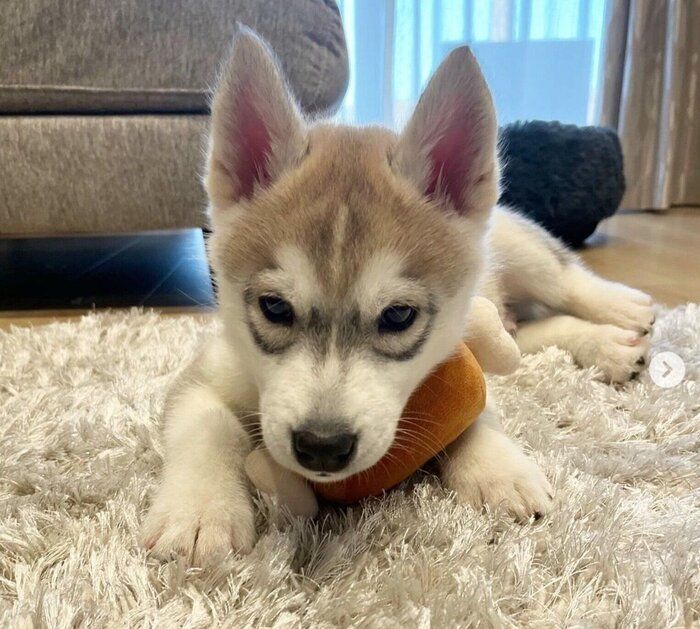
point(494, 349)
point(451, 398)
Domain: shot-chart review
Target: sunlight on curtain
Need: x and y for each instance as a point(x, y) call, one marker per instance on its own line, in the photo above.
point(542, 58)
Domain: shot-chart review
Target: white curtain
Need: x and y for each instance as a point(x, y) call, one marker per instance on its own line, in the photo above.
point(652, 97)
point(633, 65)
point(542, 58)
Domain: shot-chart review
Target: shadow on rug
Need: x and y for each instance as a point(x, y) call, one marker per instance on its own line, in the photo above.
point(79, 451)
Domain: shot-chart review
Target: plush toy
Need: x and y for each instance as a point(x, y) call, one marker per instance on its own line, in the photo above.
point(447, 402)
point(564, 177)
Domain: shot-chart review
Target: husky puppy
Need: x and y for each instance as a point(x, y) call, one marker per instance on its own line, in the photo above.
point(346, 259)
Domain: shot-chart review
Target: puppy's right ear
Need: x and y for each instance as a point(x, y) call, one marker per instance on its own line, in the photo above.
point(256, 131)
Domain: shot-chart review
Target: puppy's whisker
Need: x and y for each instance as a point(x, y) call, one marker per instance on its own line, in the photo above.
point(419, 436)
point(413, 444)
point(418, 421)
point(421, 446)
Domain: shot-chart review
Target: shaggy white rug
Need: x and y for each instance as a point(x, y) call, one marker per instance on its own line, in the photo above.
point(79, 404)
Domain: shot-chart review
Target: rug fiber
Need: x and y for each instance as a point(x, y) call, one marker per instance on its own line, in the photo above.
point(79, 405)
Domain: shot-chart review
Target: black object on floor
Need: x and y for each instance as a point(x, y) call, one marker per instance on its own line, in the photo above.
point(566, 178)
point(148, 269)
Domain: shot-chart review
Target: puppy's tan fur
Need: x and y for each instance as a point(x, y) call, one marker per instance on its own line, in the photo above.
point(342, 223)
point(339, 223)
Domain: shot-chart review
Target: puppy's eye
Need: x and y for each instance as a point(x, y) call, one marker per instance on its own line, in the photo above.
point(276, 310)
point(397, 318)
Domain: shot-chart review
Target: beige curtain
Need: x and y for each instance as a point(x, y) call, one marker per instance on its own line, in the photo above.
point(651, 96)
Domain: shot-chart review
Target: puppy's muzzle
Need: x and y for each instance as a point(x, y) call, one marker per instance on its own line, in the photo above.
point(323, 453)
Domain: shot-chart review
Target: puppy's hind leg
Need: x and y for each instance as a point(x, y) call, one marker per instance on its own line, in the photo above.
point(618, 353)
point(537, 267)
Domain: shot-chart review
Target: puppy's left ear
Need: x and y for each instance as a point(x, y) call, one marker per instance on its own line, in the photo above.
point(448, 148)
point(257, 131)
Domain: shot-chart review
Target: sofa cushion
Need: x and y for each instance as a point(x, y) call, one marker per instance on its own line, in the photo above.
point(157, 55)
point(92, 174)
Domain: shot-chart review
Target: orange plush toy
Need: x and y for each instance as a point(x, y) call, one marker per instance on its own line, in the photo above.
point(447, 402)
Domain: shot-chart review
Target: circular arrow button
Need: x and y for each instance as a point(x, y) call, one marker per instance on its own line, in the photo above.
point(667, 369)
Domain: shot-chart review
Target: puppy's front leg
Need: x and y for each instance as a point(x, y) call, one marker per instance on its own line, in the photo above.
point(484, 466)
point(203, 507)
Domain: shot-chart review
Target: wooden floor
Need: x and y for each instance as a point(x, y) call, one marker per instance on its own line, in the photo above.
point(655, 252)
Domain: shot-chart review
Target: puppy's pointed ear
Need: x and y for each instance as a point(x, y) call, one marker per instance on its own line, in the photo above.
point(448, 148)
point(257, 131)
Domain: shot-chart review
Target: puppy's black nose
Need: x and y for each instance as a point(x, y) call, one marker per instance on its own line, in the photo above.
point(323, 453)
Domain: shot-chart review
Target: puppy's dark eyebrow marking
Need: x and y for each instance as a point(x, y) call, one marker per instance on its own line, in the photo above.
point(412, 351)
point(320, 329)
point(350, 333)
point(268, 348)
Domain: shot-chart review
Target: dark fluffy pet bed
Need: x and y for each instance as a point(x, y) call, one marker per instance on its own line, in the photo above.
point(567, 178)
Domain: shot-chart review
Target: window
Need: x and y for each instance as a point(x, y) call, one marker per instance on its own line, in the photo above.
point(542, 58)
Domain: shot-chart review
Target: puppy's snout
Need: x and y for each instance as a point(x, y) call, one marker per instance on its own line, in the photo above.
point(323, 453)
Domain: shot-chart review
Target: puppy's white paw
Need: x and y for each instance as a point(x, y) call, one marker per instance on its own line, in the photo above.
point(199, 527)
point(626, 308)
point(490, 469)
point(620, 354)
point(601, 301)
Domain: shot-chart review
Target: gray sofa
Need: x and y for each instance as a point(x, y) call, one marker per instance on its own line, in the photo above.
point(103, 103)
